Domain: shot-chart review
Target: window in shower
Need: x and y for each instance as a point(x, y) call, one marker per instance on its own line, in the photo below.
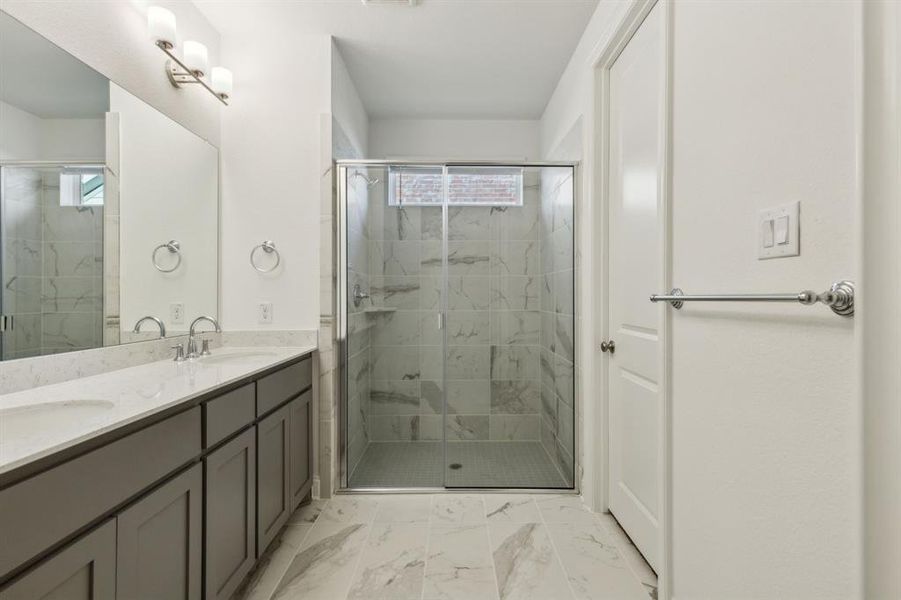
point(459, 365)
point(475, 186)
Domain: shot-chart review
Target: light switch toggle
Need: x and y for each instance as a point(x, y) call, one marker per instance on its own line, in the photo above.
point(781, 230)
point(766, 232)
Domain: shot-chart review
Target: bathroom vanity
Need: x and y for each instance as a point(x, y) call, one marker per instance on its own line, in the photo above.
point(174, 490)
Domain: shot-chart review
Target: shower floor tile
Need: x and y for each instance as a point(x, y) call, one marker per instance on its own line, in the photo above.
point(483, 464)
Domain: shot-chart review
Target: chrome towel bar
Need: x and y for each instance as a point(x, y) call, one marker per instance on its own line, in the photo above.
point(839, 297)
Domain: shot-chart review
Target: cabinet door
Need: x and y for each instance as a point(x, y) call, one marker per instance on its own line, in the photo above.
point(158, 554)
point(230, 503)
point(83, 570)
point(273, 502)
point(300, 460)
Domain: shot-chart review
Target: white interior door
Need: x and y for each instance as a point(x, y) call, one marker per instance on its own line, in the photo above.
point(635, 238)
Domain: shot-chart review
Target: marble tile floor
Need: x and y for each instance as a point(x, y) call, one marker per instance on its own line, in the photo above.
point(451, 547)
point(483, 464)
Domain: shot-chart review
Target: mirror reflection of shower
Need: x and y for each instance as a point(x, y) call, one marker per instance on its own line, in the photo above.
point(51, 257)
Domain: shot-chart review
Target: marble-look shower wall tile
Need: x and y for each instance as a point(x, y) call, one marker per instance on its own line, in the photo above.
point(400, 328)
point(396, 223)
point(467, 328)
point(516, 222)
point(563, 292)
point(395, 363)
point(394, 397)
point(392, 428)
point(467, 427)
point(515, 328)
point(514, 427)
point(463, 397)
point(468, 223)
point(516, 397)
point(22, 258)
point(514, 362)
point(564, 343)
point(515, 258)
point(468, 362)
point(515, 293)
point(68, 259)
point(394, 258)
point(564, 380)
point(468, 258)
point(395, 292)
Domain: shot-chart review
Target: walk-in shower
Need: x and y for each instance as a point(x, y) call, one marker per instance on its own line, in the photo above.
point(456, 312)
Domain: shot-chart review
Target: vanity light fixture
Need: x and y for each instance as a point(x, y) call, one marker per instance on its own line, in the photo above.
point(194, 65)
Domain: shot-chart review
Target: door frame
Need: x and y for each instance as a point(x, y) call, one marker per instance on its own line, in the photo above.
point(602, 61)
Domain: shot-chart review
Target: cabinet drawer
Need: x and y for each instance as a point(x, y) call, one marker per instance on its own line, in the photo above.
point(228, 413)
point(42, 510)
point(274, 389)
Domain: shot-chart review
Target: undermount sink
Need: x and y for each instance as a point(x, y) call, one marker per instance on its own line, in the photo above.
point(235, 357)
point(51, 414)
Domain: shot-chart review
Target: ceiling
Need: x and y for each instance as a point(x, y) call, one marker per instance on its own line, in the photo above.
point(449, 59)
point(44, 80)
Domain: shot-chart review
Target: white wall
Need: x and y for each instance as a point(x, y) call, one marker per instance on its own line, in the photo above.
point(454, 138)
point(111, 37)
point(29, 137)
point(271, 179)
point(21, 139)
point(766, 413)
point(346, 105)
point(168, 185)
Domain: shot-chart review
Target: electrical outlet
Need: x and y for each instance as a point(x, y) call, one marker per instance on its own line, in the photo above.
point(265, 313)
point(177, 313)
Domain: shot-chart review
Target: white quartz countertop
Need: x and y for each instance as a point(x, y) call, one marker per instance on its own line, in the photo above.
point(41, 421)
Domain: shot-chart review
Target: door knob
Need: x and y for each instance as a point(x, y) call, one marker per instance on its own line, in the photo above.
point(608, 346)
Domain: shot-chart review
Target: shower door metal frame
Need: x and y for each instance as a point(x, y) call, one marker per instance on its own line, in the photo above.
point(340, 264)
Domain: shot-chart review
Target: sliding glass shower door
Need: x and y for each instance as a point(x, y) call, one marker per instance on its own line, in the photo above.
point(458, 344)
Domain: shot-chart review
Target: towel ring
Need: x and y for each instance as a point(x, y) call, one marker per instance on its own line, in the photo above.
point(174, 247)
point(269, 248)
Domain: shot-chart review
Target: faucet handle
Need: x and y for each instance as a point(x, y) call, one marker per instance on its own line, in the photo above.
point(205, 348)
point(179, 353)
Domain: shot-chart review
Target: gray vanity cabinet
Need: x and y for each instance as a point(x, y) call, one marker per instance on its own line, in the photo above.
point(273, 486)
point(83, 570)
point(300, 460)
point(158, 549)
point(230, 498)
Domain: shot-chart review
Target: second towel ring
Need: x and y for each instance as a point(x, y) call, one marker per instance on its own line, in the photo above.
point(174, 247)
point(269, 248)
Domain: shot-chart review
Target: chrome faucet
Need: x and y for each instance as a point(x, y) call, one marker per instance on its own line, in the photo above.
point(192, 343)
point(159, 323)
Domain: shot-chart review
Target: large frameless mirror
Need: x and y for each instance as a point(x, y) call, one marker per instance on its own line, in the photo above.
point(108, 209)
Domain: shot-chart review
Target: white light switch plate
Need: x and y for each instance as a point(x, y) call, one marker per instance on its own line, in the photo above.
point(265, 313)
point(769, 222)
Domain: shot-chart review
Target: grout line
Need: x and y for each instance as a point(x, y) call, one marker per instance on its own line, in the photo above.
point(550, 538)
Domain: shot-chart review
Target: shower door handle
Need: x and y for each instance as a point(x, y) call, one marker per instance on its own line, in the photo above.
point(440, 321)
